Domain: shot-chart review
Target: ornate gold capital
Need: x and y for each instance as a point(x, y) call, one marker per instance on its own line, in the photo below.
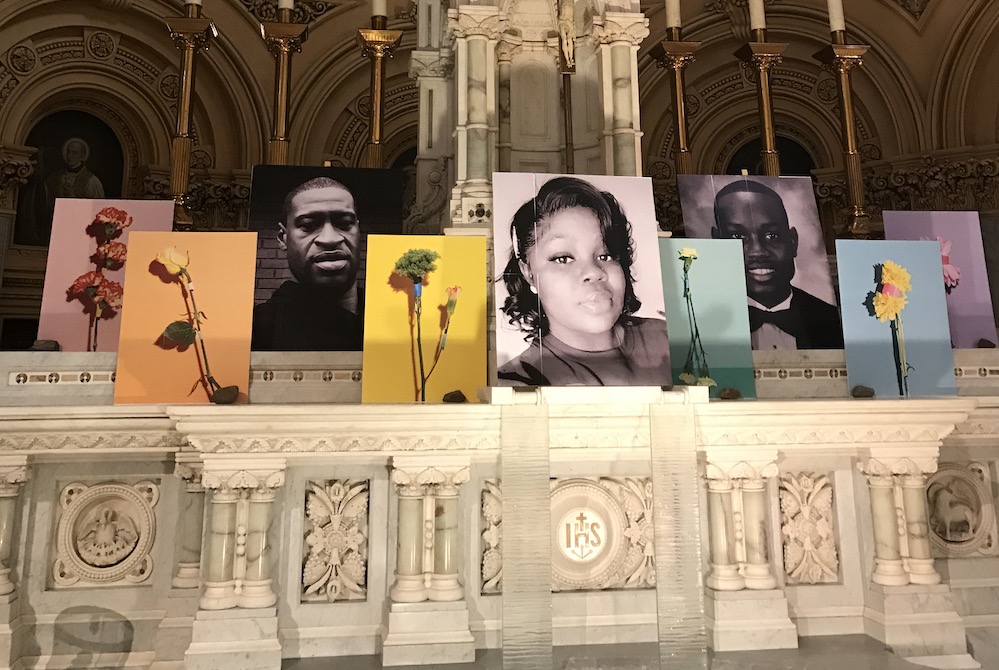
point(192, 33)
point(378, 43)
point(284, 37)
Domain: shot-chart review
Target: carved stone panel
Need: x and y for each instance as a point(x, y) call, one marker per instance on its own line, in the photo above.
point(601, 534)
point(336, 541)
point(105, 534)
point(810, 552)
point(961, 510)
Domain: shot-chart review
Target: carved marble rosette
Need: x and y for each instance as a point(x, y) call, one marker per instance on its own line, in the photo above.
point(737, 517)
point(428, 558)
point(897, 486)
point(192, 521)
point(13, 473)
point(336, 541)
point(105, 534)
point(810, 552)
point(239, 552)
point(602, 532)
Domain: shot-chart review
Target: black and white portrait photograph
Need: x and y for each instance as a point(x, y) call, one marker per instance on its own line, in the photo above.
point(792, 302)
point(579, 295)
point(312, 224)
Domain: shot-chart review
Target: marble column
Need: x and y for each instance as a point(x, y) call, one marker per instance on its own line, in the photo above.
point(191, 527)
point(919, 561)
point(410, 583)
point(430, 189)
point(476, 30)
point(724, 574)
point(444, 584)
point(888, 568)
point(256, 589)
point(11, 478)
point(220, 578)
point(16, 168)
point(620, 35)
point(504, 65)
point(759, 575)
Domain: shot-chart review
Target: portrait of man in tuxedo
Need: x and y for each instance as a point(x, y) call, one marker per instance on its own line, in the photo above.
point(781, 316)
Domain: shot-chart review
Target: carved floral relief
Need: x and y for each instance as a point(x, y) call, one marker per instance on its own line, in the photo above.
point(810, 552)
point(336, 541)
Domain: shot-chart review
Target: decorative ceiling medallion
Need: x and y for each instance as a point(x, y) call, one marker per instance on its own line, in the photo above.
point(105, 534)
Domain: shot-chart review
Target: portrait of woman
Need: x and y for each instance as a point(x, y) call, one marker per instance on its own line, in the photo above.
point(576, 304)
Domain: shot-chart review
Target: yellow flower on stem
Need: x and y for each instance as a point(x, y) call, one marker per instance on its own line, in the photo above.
point(896, 275)
point(173, 260)
point(888, 307)
point(688, 252)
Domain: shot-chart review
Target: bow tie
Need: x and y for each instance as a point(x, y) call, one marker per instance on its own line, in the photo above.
point(783, 319)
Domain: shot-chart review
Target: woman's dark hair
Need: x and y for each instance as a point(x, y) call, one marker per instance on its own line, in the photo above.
point(522, 307)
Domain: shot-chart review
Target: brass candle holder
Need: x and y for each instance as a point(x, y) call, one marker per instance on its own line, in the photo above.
point(191, 33)
point(676, 54)
point(283, 38)
point(377, 43)
point(761, 56)
point(841, 58)
point(567, 69)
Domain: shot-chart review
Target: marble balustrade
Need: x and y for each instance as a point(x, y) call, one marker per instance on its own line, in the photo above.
point(239, 478)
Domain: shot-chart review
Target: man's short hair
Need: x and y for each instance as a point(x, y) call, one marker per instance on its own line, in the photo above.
point(310, 185)
point(750, 186)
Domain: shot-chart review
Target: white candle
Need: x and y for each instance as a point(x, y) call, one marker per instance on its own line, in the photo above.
point(379, 8)
point(836, 19)
point(193, 2)
point(672, 13)
point(286, 4)
point(757, 16)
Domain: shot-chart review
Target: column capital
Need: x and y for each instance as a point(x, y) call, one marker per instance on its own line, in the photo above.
point(13, 473)
point(890, 465)
point(430, 63)
point(189, 468)
point(475, 21)
point(284, 37)
point(752, 472)
point(629, 27)
point(231, 475)
point(194, 33)
point(446, 473)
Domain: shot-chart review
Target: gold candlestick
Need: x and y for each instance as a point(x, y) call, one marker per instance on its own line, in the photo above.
point(283, 38)
point(676, 55)
point(191, 33)
point(842, 58)
point(378, 43)
point(762, 56)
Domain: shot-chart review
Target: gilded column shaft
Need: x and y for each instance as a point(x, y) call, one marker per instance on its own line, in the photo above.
point(677, 55)
point(283, 39)
point(377, 43)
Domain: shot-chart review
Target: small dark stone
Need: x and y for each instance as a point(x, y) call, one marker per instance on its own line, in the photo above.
point(455, 396)
point(730, 393)
point(52, 345)
point(986, 344)
point(226, 395)
point(860, 391)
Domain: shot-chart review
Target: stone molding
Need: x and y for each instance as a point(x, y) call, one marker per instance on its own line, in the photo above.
point(439, 475)
point(13, 473)
point(430, 63)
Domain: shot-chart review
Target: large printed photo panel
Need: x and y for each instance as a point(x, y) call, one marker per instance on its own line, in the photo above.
point(185, 325)
point(704, 285)
point(312, 226)
point(85, 271)
point(579, 296)
point(792, 302)
point(425, 319)
point(895, 318)
point(965, 278)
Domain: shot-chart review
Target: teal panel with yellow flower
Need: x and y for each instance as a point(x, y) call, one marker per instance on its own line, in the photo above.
point(704, 283)
point(895, 324)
